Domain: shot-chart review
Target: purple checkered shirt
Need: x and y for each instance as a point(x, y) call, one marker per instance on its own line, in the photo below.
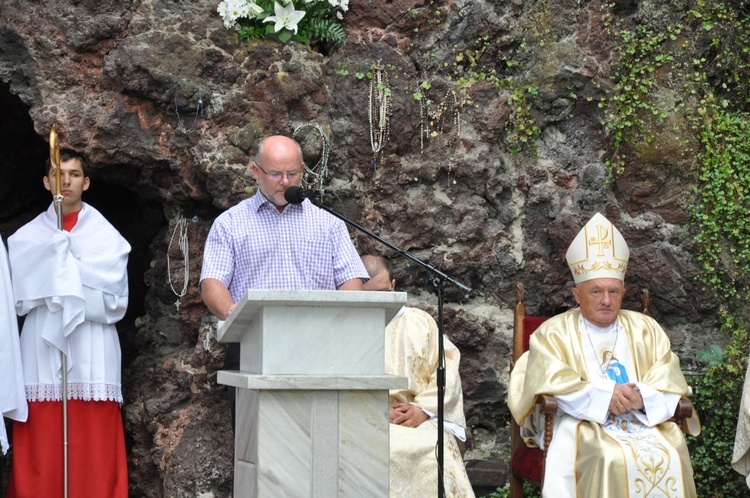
point(253, 246)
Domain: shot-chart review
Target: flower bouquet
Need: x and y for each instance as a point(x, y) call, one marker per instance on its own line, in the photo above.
point(301, 20)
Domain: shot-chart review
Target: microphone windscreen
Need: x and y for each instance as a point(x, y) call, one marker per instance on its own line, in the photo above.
point(294, 195)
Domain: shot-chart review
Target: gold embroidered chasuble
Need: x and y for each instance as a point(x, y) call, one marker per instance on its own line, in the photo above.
point(648, 462)
point(411, 351)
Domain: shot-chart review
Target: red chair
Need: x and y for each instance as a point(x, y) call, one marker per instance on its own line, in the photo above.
point(527, 464)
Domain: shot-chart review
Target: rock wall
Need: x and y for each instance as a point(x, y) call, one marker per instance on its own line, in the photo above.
point(122, 82)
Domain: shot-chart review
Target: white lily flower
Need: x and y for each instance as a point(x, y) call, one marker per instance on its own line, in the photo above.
point(286, 17)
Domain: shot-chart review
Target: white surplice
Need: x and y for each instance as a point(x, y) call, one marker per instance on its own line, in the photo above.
point(72, 287)
point(12, 398)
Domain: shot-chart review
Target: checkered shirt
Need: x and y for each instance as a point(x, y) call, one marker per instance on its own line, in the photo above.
point(253, 246)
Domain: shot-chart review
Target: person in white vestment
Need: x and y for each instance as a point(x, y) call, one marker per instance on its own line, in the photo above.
point(411, 351)
point(741, 451)
point(617, 383)
point(72, 287)
point(12, 394)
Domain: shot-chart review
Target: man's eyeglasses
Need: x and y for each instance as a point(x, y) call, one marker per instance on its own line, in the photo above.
point(276, 175)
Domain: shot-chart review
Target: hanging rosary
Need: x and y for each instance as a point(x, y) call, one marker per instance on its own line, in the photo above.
point(424, 121)
point(433, 123)
point(198, 110)
point(314, 176)
point(448, 112)
point(179, 232)
point(379, 112)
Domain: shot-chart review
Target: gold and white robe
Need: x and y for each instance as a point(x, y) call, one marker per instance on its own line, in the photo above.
point(411, 350)
point(648, 456)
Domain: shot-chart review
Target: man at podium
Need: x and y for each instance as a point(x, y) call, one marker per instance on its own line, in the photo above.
point(264, 243)
point(411, 351)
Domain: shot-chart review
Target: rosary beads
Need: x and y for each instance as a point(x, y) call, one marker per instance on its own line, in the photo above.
point(444, 120)
point(379, 111)
point(433, 122)
point(180, 232)
point(315, 175)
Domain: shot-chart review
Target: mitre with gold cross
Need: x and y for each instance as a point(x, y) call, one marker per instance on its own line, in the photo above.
point(598, 251)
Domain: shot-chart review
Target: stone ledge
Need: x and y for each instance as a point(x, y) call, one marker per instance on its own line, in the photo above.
point(487, 475)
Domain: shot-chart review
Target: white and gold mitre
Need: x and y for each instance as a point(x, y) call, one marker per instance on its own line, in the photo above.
point(598, 251)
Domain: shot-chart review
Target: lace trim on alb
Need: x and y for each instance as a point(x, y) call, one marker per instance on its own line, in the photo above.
point(80, 391)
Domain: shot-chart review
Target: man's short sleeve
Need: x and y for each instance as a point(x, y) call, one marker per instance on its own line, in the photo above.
point(218, 255)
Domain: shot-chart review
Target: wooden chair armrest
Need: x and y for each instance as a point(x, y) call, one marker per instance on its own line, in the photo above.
point(684, 409)
point(547, 403)
point(682, 413)
point(548, 406)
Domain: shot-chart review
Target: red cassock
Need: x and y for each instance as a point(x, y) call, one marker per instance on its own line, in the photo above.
point(97, 463)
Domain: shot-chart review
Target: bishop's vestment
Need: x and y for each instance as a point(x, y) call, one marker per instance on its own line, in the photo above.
point(594, 453)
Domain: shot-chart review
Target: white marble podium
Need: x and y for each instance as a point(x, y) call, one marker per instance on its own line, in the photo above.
point(312, 397)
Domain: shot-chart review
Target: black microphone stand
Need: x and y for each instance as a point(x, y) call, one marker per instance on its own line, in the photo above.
point(436, 285)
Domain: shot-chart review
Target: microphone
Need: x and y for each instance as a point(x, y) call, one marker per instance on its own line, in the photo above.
point(295, 195)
